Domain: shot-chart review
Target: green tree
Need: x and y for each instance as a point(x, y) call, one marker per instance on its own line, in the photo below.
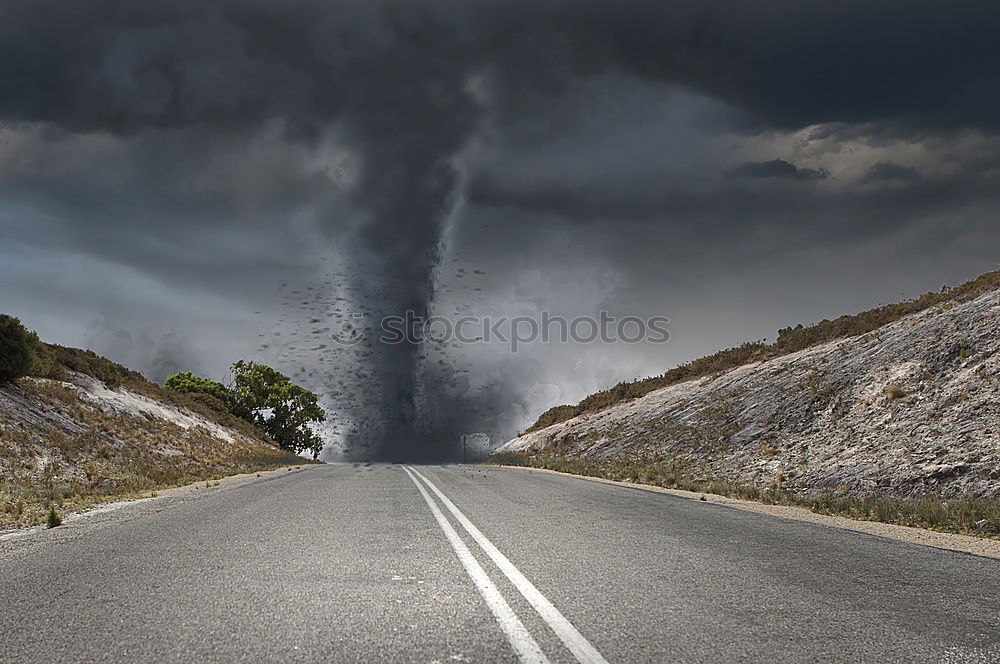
point(281, 408)
point(21, 351)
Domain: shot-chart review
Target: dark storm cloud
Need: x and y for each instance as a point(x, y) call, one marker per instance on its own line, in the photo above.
point(123, 66)
point(217, 120)
point(138, 202)
point(887, 171)
point(776, 168)
point(788, 63)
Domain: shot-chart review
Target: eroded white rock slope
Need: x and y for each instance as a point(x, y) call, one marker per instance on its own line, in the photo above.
point(824, 418)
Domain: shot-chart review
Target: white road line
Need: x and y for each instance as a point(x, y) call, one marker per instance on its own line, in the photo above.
point(520, 640)
point(573, 640)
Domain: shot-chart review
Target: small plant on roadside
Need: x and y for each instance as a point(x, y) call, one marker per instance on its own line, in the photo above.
point(52, 519)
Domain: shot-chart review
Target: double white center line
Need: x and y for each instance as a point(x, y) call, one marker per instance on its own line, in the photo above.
point(524, 645)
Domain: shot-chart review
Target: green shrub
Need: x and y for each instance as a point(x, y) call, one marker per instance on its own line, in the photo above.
point(188, 383)
point(90, 363)
point(21, 352)
point(52, 519)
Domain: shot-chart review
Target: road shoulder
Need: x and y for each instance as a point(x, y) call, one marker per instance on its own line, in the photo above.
point(222, 483)
point(961, 543)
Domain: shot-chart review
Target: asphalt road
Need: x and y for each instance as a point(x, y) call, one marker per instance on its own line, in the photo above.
point(372, 563)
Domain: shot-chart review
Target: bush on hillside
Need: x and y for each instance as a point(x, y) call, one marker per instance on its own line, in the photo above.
point(90, 363)
point(555, 415)
point(21, 351)
point(189, 383)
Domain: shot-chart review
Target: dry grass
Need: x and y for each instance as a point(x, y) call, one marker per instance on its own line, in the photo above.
point(66, 359)
point(896, 392)
point(790, 340)
point(86, 455)
point(969, 516)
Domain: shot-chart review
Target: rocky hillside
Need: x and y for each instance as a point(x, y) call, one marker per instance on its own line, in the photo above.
point(911, 408)
point(78, 441)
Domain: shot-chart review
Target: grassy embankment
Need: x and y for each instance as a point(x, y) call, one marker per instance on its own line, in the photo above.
point(967, 515)
point(84, 455)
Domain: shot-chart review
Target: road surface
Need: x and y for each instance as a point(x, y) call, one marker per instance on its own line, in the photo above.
point(462, 563)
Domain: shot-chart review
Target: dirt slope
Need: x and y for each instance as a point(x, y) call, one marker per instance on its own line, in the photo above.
point(911, 408)
point(77, 442)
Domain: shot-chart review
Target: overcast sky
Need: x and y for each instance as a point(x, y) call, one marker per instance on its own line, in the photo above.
point(187, 183)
